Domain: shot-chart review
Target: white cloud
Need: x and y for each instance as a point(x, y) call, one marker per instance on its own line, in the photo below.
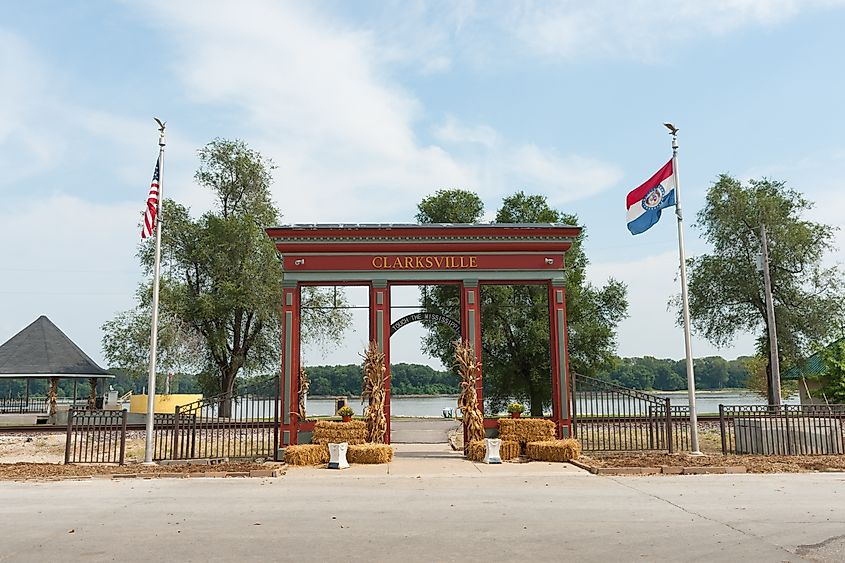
point(641, 28)
point(564, 179)
point(312, 97)
point(504, 167)
point(319, 98)
point(26, 112)
point(452, 131)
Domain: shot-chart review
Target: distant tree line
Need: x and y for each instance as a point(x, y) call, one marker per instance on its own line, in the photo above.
point(405, 379)
point(646, 373)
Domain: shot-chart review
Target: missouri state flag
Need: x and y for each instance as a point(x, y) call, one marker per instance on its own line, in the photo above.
point(646, 202)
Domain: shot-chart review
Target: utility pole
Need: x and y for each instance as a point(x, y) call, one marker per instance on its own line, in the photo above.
point(774, 362)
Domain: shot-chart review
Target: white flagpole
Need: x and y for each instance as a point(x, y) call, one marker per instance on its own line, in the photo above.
point(151, 380)
point(693, 416)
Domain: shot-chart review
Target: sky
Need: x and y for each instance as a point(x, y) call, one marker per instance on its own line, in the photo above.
point(366, 107)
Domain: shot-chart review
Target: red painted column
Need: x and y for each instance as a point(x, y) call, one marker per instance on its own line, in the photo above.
point(558, 344)
point(380, 333)
point(289, 380)
point(471, 328)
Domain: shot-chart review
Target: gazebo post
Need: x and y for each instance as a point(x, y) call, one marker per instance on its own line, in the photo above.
point(26, 403)
point(75, 384)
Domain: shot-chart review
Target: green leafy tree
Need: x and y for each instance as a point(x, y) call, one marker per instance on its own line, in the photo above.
point(515, 319)
point(833, 377)
point(126, 344)
point(725, 288)
point(221, 279)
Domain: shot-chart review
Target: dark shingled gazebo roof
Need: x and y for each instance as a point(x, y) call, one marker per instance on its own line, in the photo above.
point(42, 350)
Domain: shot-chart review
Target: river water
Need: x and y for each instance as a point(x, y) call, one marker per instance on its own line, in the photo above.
point(706, 402)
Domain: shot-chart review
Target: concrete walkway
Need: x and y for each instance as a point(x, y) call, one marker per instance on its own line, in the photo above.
point(429, 505)
point(421, 430)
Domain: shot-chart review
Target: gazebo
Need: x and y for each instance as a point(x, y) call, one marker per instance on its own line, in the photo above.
point(43, 351)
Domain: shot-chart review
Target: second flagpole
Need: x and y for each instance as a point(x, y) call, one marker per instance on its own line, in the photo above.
point(151, 379)
point(693, 416)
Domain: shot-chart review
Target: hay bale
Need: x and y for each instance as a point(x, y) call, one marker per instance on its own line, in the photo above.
point(476, 450)
point(331, 432)
point(508, 450)
point(306, 454)
point(554, 450)
point(369, 453)
point(524, 430)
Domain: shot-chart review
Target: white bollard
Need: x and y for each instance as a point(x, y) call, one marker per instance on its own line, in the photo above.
point(491, 454)
point(337, 456)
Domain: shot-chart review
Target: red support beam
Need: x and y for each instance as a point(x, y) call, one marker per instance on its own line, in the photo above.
point(559, 358)
point(289, 380)
point(380, 333)
point(471, 329)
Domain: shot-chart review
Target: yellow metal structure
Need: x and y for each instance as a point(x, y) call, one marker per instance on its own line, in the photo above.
point(163, 403)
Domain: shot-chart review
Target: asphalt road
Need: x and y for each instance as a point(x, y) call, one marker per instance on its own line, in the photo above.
point(429, 505)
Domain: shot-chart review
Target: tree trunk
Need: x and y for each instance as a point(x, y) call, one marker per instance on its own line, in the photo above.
point(535, 396)
point(92, 393)
point(228, 385)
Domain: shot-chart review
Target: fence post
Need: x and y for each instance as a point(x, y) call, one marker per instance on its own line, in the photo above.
point(69, 430)
point(669, 425)
point(785, 413)
point(652, 422)
point(574, 405)
point(276, 421)
point(174, 452)
point(123, 437)
point(722, 429)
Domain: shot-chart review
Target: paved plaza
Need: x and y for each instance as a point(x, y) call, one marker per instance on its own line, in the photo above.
point(429, 505)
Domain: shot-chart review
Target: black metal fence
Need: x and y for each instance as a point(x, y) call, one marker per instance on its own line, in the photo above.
point(219, 427)
point(609, 417)
point(680, 423)
point(32, 405)
point(782, 429)
point(95, 436)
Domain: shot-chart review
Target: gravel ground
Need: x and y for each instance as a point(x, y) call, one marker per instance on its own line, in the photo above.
point(39, 455)
point(752, 463)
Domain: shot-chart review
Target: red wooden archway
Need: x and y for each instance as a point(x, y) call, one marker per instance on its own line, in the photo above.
point(382, 255)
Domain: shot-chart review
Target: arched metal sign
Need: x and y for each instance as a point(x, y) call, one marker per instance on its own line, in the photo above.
point(424, 315)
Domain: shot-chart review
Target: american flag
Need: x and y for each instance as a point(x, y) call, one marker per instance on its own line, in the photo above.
point(152, 207)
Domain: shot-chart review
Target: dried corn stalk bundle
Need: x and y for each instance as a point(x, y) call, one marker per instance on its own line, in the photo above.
point(372, 392)
point(330, 432)
point(369, 453)
point(304, 385)
point(554, 450)
point(306, 454)
point(524, 430)
point(508, 450)
point(467, 368)
point(52, 391)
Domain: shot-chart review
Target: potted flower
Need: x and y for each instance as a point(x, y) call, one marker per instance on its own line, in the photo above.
point(345, 413)
point(516, 409)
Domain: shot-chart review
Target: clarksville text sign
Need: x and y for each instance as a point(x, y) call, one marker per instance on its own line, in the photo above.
point(424, 262)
